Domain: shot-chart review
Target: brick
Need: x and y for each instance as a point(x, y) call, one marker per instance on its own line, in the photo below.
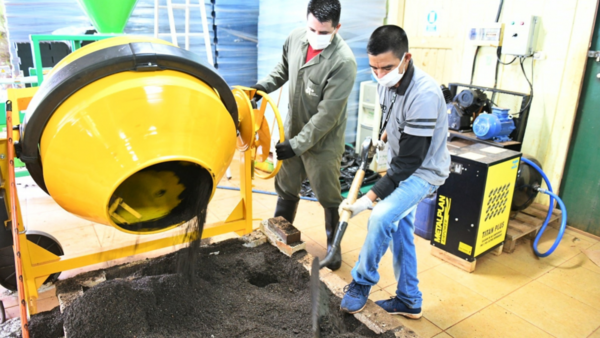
point(404, 332)
point(376, 319)
point(276, 241)
point(284, 229)
point(254, 239)
point(65, 299)
point(94, 280)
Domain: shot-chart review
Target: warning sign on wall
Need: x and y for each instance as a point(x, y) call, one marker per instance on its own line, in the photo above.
point(432, 23)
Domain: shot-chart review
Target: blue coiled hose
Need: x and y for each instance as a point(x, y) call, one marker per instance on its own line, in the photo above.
point(553, 196)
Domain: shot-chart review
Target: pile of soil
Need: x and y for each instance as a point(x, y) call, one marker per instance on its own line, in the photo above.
point(46, 324)
point(236, 292)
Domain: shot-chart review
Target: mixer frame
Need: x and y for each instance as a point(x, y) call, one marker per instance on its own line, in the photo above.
point(38, 264)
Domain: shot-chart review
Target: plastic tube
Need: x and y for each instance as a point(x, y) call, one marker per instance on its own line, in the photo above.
point(563, 208)
point(264, 192)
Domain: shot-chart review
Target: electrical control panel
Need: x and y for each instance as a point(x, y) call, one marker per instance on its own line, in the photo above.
point(519, 36)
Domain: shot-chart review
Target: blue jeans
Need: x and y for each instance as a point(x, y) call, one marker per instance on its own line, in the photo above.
point(392, 223)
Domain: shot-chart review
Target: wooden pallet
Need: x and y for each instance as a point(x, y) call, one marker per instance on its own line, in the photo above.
point(527, 223)
point(457, 261)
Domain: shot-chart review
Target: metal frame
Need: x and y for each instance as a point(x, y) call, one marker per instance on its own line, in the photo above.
point(16, 221)
point(173, 32)
point(75, 41)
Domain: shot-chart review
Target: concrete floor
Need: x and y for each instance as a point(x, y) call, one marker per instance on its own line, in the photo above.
point(510, 295)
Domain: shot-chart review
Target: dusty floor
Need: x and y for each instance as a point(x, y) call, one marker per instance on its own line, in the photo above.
point(511, 295)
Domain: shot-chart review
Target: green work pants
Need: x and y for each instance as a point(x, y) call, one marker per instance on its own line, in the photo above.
point(323, 172)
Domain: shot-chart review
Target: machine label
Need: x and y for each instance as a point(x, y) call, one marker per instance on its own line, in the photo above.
point(492, 234)
point(500, 186)
point(441, 222)
point(462, 247)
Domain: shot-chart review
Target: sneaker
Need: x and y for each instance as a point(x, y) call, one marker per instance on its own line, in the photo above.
point(395, 306)
point(355, 298)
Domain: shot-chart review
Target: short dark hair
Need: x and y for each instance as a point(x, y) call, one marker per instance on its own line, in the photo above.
point(325, 10)
point(388, 38)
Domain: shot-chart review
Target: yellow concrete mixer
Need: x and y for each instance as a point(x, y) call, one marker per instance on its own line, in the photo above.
point(125, 132)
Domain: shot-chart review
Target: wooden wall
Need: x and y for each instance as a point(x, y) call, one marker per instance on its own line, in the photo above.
point(563, 35)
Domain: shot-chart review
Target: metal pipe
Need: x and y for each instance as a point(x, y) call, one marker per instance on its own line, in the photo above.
point(179, 6)
point(181, 34)
point(156, 6)
point(172, 23)
point(187, 24)
point(264, 192)
point(209, 55)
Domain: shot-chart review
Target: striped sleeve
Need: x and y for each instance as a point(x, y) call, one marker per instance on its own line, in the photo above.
point(422, 114)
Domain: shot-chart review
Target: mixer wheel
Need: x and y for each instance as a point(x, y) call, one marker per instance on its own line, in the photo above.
point(264, 136)
point(254, 132)
point(7, 259)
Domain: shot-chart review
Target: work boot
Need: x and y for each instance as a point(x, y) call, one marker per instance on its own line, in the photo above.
point(332, 219)
point(287, 209)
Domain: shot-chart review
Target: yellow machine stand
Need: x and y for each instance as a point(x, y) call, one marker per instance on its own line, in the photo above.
point(123, 132)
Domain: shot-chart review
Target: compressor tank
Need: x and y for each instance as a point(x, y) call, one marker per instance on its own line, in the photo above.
point(126, 131)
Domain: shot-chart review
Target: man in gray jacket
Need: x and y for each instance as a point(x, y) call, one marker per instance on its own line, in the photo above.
point(321, 69)
point(416, 127)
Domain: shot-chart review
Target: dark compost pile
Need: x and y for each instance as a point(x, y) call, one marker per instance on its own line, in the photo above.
point(236, 292)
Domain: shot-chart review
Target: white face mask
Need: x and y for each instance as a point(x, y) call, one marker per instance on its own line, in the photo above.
point(392, 78)
point(318, 41)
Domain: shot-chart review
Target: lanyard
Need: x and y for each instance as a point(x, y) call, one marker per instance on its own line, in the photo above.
point(387, 116)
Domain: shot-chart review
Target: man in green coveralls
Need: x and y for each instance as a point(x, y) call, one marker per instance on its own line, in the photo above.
point(321, 69)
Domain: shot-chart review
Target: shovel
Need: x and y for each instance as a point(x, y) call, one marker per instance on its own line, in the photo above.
point(315, 297)
point(366, 156)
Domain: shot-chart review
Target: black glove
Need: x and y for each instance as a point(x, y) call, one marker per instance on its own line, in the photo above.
point(284, 150)
point(256, 98)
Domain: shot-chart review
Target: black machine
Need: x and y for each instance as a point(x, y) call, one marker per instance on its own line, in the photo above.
point(473, 206)
point(465, 107)
point(487, 179)
point(519, 117)
point(473, 99)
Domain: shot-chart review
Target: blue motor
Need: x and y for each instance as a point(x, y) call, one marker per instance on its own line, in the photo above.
point(497, 125)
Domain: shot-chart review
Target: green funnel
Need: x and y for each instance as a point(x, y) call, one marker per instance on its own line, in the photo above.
point(108, 16)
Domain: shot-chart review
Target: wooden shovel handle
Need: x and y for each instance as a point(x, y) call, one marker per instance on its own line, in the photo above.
point(353, 193)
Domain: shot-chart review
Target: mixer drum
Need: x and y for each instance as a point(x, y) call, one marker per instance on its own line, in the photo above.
point(128, 131)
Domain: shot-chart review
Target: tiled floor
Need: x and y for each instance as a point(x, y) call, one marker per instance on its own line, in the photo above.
point(510, 295)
